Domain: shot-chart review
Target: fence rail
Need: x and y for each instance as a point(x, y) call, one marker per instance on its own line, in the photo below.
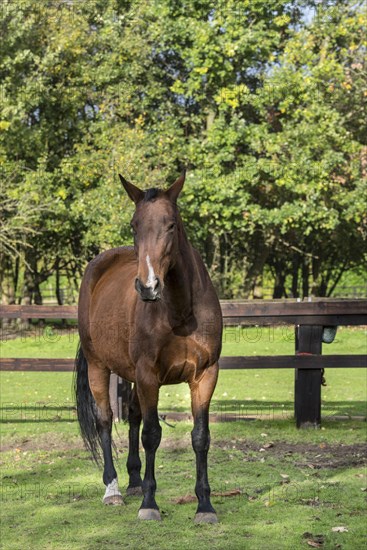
point(308, 317)
point(272, 312)
point(225, 363)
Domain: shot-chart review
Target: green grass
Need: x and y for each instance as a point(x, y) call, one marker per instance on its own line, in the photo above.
point(51, 492)
point(51, 495)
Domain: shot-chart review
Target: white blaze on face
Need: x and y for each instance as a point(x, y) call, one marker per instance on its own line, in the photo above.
point(152, 279)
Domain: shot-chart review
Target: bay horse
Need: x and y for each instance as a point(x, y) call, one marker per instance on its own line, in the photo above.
point(150, 314)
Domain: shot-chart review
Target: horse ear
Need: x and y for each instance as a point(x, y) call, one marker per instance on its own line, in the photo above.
point(176, 187)
point(134, 192)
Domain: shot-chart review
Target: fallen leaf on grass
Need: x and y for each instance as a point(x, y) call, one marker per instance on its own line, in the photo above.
point(340, 529)
point(314, 543)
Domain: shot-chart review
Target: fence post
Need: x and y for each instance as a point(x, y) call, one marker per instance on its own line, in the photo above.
point(307, 390)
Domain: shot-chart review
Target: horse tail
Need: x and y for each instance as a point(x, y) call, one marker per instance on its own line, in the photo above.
point(86, 407)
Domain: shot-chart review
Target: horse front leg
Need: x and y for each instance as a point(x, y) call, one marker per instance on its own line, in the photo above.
point(148, 390)
point(133, 461)
point(201, 394)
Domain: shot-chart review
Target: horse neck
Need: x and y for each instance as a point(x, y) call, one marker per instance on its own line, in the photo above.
point(181, 277)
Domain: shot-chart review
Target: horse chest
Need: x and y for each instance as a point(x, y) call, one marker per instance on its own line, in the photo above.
point(181, 359)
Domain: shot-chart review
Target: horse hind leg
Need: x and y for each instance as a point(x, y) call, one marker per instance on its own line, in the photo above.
point(99, 379)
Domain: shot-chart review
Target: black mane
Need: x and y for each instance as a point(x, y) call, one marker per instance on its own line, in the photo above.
point(151, 194)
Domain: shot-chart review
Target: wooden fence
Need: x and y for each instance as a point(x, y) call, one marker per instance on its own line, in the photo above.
point(308, 318)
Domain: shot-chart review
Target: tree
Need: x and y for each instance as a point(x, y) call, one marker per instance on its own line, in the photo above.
point(264, 103)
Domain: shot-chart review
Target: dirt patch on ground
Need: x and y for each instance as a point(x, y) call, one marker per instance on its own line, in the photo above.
point(303, 455)
point(63, 443)
point(42, 442)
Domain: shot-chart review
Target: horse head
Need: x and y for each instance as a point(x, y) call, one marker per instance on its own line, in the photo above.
point(156, 226)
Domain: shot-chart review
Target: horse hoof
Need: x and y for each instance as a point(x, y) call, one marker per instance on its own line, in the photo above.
point(206, 517)
point(149, 513)
point(134, 491)
point(113, 500)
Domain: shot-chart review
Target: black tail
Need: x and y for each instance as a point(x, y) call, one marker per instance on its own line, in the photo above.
point(86, 407)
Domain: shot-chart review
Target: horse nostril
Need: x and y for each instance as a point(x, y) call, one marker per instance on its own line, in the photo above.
point(138, 285)
point(148, 293)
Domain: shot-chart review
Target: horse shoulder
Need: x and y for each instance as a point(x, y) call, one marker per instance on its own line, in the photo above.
point(101, 264)
point(96, 275)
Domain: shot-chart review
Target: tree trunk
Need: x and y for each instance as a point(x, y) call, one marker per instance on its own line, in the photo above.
point(295, 272)
point(258, 288)
point(27, 294)
point(305, 277)
point(37, 291)
point(59, 296)
point(279, 285)
point(7, 291)
point(336, 280)
point(316, 283)
point(255, 271)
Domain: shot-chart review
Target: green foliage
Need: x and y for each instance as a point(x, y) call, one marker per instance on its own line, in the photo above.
point(264, 103)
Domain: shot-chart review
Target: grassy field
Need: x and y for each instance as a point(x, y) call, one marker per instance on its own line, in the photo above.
point(275, 487)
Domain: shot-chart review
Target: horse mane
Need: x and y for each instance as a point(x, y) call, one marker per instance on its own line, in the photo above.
point(151, 194)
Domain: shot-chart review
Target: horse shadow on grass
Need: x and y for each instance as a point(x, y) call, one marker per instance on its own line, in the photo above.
point(37, 412)
point(270, 410)
point(223, 410)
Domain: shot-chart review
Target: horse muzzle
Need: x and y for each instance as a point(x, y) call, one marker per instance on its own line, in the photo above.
point(151, 293)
